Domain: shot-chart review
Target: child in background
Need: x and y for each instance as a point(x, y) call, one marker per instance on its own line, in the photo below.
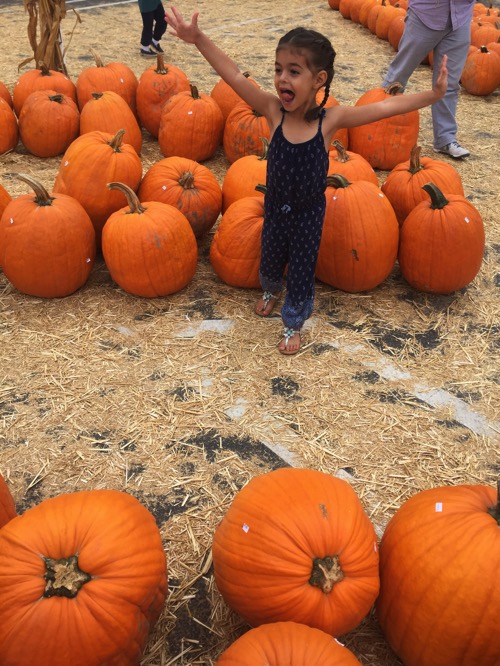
point(154, 27)
point(301, 133)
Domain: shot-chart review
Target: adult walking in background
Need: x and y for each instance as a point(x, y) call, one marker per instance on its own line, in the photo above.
point(444, 27)
point(154, 26)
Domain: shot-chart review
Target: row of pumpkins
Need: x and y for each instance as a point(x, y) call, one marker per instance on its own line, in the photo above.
point(84, 575)
point(150, 245)
point(385, 19)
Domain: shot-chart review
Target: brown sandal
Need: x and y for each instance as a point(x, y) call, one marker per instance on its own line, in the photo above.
point(268, 302)
point(288, 333)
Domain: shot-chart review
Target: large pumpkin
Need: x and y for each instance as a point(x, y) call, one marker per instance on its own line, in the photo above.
point(157, 84)
point(280, 643)
point(441, 243)
point(481, 72)
point(359, 242)
point(386, 142)
point(115, 76)
point(187, 185)
point(296, 545)
point(89, 164)
point(350, 165)
point(9, 131)
point(5, 198)
point(225, 96)
point(150, 248)
point(235, 247)
point(41, 78)
point(48, 123)
point(191, 125)
point(403, 185)
point(83, 581)
point(243, 132)
point(439, 600)
point(7, 505)
point(243, 176)
point(47, 243)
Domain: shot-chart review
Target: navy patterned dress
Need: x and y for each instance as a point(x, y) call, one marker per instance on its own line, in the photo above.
point(294, 210)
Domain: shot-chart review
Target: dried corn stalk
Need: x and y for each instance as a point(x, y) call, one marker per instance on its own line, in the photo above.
point(44, 33)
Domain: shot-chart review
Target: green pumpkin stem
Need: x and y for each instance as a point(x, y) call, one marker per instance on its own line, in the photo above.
point(265, 148)
point(342, 155)
point(261, 188)
point(42, 197)
point(132, 198)
point(415, 164)
point(438, 200)
point(494, 511)
point(326, 572)
point(337, 180)
point(63, 578)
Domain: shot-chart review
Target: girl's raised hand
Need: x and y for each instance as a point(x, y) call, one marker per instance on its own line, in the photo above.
point(188, 32)
point(441, 84)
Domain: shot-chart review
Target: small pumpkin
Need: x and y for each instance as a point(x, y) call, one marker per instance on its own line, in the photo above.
point(85, 575)
point(439, 599)
point(243, 132)
point(404, 184)
point(7, 505)
point(386, 142)
point(296, 545)
point(48, 123)
point(89, 164)
point(441, 243)
point(41, 78)
point(191, 125)
point(157, 84)
point(481, 72)
point(243, 176)
point(280, 643)
point(5, 94)
point(9, 130)
point(47, 243)
point(236, 245)
point(108, 112)
point(150, 248)
point(359, 242)
point(5, 198)
point(189, 186)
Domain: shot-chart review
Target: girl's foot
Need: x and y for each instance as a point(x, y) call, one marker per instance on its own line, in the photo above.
point(265, 304)
point(290, 343)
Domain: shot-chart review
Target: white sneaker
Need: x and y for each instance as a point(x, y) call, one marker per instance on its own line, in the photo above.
point(453, 149)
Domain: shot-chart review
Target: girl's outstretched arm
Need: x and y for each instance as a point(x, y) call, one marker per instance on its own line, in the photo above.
point(226, 68)
point(353, 116)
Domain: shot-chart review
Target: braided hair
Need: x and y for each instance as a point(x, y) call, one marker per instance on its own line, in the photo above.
point(319, 54)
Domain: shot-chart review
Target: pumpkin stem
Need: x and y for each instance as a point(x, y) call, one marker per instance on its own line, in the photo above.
point(44, 70)
point(63, 577)
point(42, 197)
point(97, 95)
point(187, 180)
point(337, 180)
point(132, 198)
point(116, 141)
point(265, 148)
point(494, 511)
point(438, 200)
point(394, 88)
point(59, 98)
point(97, 58)
point(194, 92)
point(415, 164)
point(326, 572)
point(342, 155)
point(261, 188)
point(160, 65)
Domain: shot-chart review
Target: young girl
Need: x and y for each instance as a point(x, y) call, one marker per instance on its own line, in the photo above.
point(301, 133)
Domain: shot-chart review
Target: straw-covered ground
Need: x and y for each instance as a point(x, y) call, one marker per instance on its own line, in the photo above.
point(181, 400)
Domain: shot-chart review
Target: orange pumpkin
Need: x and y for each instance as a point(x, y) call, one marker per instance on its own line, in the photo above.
point(341, 134)
point(48, 123)
point(9, 131)
point(359, 243)
point(5, 94)
point(191, 125)
point(384, 18)
point(403, 185)
point(439, 596)
point(243, 176)
point(157, 84)
point(481, 72)
point(89, 164)
point(47, 243)
point(150, 248)
point(108, 112)
point(235, 247)
point(115, 76)
point(442, 243)
point(280, 643)
point(386, 142)
point(350, 165)
point(87, 571)
point(189, 186)
point(243, 132)
point(225, 96)
point(41, 78)
point(296, 545)
point(7, 506)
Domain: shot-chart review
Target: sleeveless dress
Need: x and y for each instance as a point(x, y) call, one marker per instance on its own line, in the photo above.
point(294, 211)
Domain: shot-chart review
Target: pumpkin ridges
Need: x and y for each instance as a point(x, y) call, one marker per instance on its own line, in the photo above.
point(108, 112)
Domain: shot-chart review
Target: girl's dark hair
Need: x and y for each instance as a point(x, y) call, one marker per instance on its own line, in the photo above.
point(320, 55)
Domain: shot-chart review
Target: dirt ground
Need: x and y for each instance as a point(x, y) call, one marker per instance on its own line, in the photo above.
point(181, 400)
